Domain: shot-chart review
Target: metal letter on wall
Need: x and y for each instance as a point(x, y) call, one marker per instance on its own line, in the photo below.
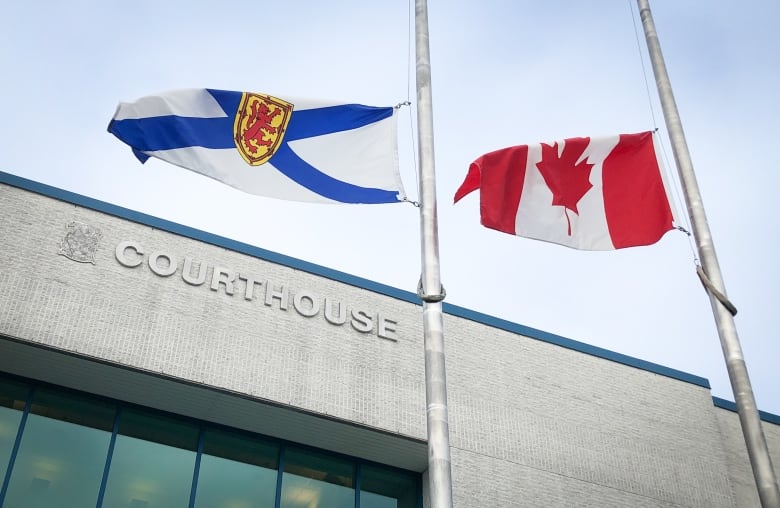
point(307, 304)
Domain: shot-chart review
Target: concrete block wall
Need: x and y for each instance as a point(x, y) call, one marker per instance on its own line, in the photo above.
point(133, 317)
point(577, 427)
point(532, 423)
point(738, 463)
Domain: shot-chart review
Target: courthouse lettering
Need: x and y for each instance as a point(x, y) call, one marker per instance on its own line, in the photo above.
point(132, 254)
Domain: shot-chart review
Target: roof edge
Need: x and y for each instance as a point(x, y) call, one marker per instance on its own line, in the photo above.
point(360, 282)
point(731, 406)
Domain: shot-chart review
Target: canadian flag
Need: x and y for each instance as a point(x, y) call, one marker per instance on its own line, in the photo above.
point(600, 193)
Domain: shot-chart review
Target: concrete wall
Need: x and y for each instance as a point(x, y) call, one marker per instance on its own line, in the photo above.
point(738, 463)
point(133, 317)
point(532, 423)
point(576, 427)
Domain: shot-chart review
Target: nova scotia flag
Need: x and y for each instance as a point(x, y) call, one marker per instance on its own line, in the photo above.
point(284, 148)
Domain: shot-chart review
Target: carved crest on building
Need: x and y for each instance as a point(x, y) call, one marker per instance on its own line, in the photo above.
point(80, 242)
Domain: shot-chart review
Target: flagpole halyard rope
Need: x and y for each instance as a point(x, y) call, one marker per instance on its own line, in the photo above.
point(411, 131)
point(674, 185)
point(644, 67)
point(680, 228)
point(411, 26)
point(673, 180)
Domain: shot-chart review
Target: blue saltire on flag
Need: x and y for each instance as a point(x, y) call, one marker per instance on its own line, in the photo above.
point(285, 148)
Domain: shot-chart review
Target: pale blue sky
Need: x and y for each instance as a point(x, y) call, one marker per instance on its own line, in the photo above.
point(504, 73)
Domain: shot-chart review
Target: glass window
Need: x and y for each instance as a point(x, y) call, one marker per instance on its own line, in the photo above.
point(236, 471)
point(62, 453)
point(312, 479)
point(153, 462)
point(13, 397)
point(387, 488)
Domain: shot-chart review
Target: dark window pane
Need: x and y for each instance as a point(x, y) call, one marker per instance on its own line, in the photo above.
point(153, 462)
point(387, 488)
point(13, 394)
point(62, 453)
point(236, 471)
point(316, 479)
point(12, 399)
point(73, 409)
point(159, 429)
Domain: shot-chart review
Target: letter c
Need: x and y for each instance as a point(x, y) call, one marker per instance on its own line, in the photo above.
point(121, 250)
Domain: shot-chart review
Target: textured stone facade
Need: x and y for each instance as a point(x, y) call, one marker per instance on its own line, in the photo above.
point(551, 426)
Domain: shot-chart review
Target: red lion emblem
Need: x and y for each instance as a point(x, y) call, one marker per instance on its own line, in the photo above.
point(259, 126)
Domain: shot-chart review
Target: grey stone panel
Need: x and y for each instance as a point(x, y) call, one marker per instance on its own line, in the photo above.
point(548, 426)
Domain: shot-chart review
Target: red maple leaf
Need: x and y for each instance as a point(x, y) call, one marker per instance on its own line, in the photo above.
point(565, 177)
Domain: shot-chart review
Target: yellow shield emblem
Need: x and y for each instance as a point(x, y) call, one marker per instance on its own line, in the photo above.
point(259, 127)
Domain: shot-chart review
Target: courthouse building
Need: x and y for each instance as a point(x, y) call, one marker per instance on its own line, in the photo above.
point(145, 364)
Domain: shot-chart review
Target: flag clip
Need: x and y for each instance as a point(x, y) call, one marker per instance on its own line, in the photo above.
point(430, 298)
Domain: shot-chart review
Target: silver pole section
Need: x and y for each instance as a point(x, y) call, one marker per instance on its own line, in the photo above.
point(430, 289)
point(732, 351)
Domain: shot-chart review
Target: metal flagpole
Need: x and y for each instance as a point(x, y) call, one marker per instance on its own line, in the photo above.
point(430, 289)
point(749, 418)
